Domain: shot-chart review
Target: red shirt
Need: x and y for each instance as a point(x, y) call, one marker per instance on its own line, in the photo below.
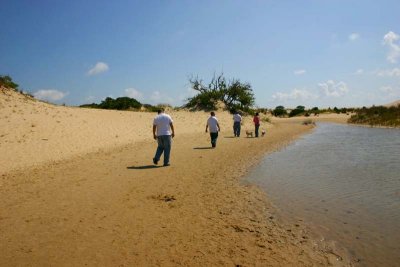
point(256, 120)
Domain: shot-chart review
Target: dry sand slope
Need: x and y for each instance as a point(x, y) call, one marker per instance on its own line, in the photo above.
point(112, 208)
point(33, 132)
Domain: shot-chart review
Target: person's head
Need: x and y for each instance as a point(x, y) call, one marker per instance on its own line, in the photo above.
point(160, 110)
point(257, 114)
point(212, 113)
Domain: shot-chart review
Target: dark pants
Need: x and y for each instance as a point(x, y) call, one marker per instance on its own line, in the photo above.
point(214, 137)
point(256, 130)
point(164, 145)
point(236, 128)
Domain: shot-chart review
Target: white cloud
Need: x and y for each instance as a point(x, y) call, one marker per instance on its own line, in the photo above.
point(133, 93)
point(98, 68)
point(386, 89)
point(354, 36)
point(49, 95)
point(388, 93)
point(332, 89)
point(90, 98)
point(189, 93)
point(295, 94)
point(299, 72)
point(155, 96)
point(159, 98)
point(391, 39)
point(390, 73)
point(359, 72)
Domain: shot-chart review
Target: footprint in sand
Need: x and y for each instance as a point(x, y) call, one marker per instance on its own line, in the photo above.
point(165, 198)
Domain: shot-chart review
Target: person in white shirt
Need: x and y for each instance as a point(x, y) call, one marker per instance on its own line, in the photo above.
point(237, 120)
point(163, 132)
point(213, 124)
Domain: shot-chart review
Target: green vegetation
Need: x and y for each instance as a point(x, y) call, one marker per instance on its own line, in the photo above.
point(120, 103)
point(299, 110)
point(279, 111)
point(7, 81)
point(379, 116)
point(235, 95)
point(124, 103)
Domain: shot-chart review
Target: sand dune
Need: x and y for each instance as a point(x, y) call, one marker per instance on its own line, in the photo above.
point(393, 104)
point(34, 132)
point(78, 188)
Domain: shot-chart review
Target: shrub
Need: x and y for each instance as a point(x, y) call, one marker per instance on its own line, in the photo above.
point(297, 111)
point(120, 103)
point(279, 111)
point(7, 81)
point(380, 115)
point(234, 94)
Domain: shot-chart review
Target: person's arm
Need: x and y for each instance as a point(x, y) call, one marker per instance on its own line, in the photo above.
point(154, 132)
point(219, 128)
point(173, 129)
point(207, 127)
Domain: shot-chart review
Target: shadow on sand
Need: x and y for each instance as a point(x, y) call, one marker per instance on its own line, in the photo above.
point(229, 137)
point(144, 167)
point(204, 147)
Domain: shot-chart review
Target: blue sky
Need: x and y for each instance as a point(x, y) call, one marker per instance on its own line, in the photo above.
point(313, 53)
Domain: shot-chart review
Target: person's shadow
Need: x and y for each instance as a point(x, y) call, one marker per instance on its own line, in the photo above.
point(203, 147)
point(144, 167)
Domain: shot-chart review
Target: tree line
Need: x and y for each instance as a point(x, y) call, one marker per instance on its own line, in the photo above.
point(281, 111)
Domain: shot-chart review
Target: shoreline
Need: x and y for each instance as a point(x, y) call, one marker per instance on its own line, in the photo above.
point(194, 213)
point(373, 126)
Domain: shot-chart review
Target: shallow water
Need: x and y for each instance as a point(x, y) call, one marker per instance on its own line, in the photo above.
point(344, 181)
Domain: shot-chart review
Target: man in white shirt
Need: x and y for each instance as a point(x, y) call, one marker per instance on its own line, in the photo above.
point(213, 124)
point(237, 120)
point(163, 132)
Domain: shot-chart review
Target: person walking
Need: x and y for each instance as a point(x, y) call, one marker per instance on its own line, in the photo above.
point(213, 124)
point(237, 120)
point(163, 132)
point(256, 121)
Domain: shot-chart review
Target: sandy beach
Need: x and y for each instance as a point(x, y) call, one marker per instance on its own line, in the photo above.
point(78, 188)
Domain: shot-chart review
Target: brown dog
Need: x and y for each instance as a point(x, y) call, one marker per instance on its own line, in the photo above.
point(249, 134)
point(262, 132)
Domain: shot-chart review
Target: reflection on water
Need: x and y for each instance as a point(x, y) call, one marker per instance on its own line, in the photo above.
point(345, 181)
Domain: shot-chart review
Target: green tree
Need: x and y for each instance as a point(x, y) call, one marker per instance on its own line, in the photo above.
point(297, 111)
point(279, 111)
point(234, 94)
point(314, 110)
